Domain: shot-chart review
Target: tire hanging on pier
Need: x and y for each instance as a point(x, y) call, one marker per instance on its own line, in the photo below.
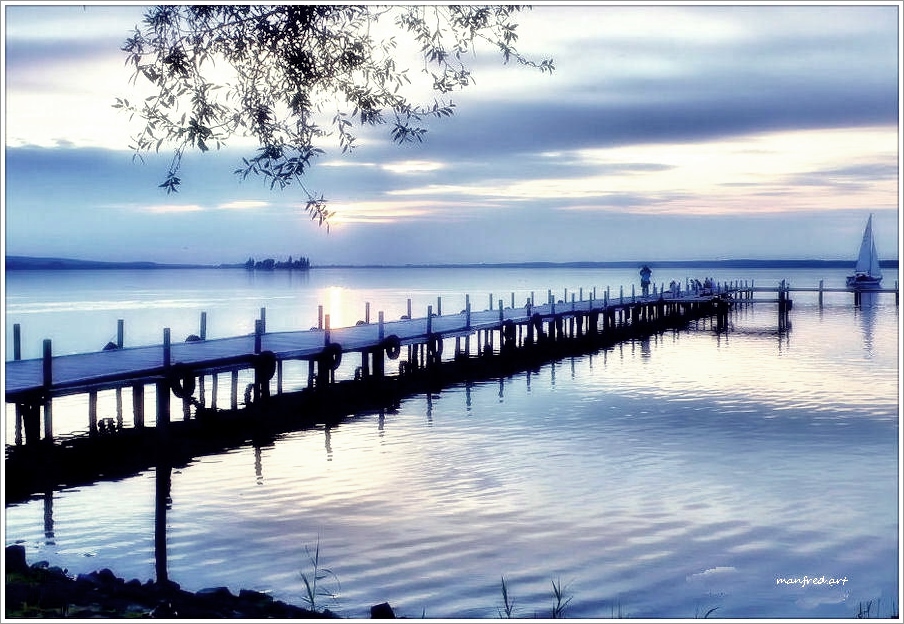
point(331, 355)
point(182, 380)
point(393, 346)
point(435, 347)
point(537, 322)
point(265, 365)
point(509, 334)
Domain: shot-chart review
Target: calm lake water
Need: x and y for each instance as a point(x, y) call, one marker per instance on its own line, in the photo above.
point(660, 478)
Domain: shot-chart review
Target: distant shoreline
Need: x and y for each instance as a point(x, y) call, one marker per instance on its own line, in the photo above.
point(22, 263)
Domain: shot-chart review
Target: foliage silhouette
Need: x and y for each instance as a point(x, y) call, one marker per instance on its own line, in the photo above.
point(290, 75)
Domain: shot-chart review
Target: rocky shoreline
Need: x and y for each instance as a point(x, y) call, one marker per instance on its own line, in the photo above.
point(42, 591)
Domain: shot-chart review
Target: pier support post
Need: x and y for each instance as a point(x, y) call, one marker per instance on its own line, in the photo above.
point(92, 412)
point(380, 352)
point(17, 355)
point(31, 417)
point(48, 384)
point(138, 406)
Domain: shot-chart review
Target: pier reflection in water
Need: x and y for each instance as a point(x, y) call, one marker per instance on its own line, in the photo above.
point(689, 471)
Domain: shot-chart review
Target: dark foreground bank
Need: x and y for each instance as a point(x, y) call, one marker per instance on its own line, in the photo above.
point(40, 591)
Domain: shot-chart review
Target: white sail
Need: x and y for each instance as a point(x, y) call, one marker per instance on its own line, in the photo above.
point(868, 259)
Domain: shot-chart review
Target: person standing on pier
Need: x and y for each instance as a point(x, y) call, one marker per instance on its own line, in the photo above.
point(645, 274)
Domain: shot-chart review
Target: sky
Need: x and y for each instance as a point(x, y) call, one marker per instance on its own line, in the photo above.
point(666, 132)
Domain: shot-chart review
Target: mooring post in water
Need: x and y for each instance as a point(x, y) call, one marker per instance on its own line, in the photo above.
point(367, 312)
point(820, 294)
point(263, 320)
point(429, 321)
point(48, 384)
point(409, 308)
point(258, 330)
point(17, 342)
point(439, 306)
point(320, 317)
point(202, 330)
point(120, 333)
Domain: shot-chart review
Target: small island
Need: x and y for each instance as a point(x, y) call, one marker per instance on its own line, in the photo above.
point(301, 264)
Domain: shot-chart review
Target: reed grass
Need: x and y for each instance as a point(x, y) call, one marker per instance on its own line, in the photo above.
point(314, 582)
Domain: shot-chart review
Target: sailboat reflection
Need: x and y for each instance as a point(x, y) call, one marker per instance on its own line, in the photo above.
point(866, 313)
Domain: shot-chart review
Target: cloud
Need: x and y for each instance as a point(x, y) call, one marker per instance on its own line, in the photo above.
point(248, 204)
point(412, 166)
point(171, 208)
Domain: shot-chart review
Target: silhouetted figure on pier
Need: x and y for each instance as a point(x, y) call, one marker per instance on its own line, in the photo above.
point(645, 274)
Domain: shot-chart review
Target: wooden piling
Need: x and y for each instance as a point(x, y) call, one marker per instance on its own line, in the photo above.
point(92, 412)
point(202, 330)
point(120, 333)
point(48, 383)
point(138, 406)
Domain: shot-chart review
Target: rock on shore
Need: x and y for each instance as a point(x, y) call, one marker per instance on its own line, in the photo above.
point(40, 590)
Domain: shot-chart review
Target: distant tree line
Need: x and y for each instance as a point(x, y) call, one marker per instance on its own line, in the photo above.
point(302, 263)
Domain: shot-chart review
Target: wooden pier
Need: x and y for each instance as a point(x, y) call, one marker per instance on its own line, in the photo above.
point(396, 354)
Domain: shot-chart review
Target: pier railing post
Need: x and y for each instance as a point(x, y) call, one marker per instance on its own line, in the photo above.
point(166, 347)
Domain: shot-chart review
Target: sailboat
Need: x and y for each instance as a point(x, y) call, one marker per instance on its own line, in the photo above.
point(867, 274)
